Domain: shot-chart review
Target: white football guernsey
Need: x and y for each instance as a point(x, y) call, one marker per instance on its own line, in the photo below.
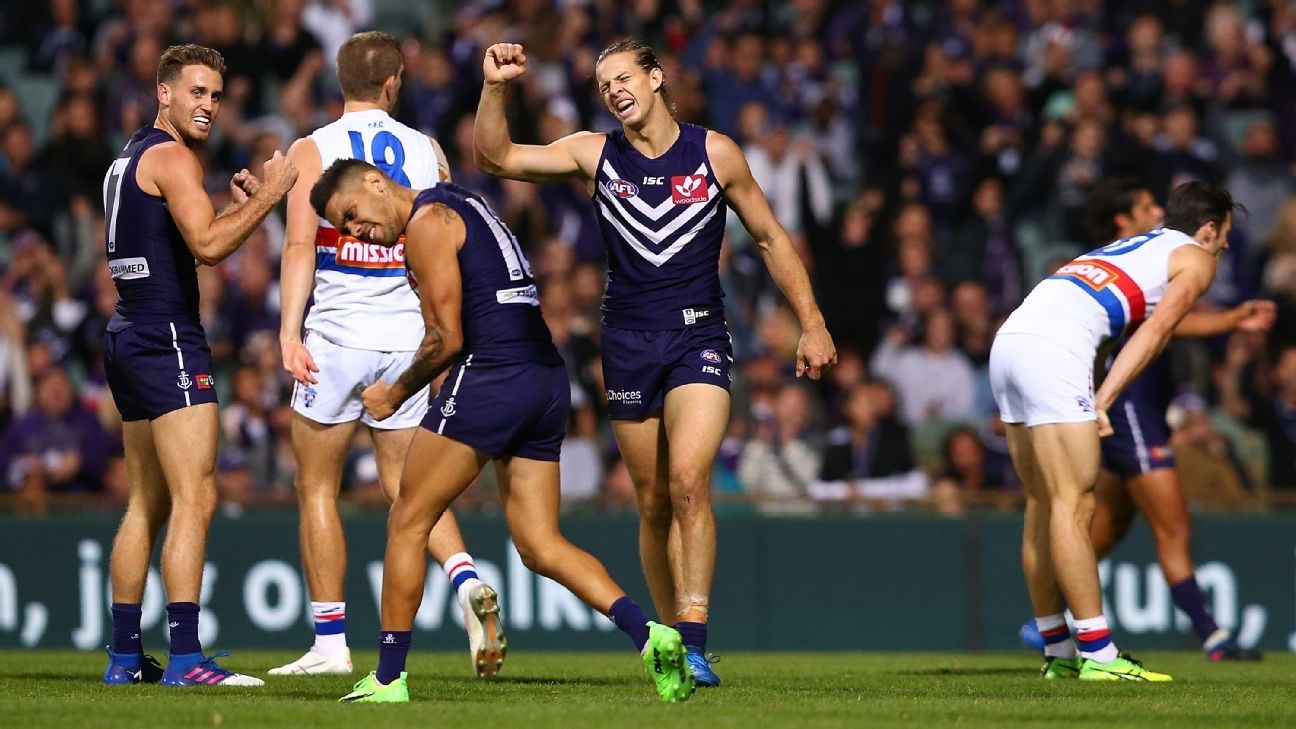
point(1101, 295)
point(362, 298)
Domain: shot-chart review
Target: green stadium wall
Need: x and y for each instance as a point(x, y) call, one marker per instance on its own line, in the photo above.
point(896, 582)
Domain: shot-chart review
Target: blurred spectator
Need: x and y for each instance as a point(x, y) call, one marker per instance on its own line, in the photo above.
point(791, 176)
point(59, 446)
point(247, 451)
point(290, 52)
point(57, 38)
point(733, 77)
point(779, 463)
point(913, 240)
point(132, 99)
point(1190, 156)
point(933, 379)
point(26, 186)
point(984, 248)
point(76, 153)
point(333, 21)
point(1274, 414)
point(1238, 66)
point(939, 172)
point(1137, 68)
point(870, 444)
point(1205, 466)
point(849, 273)
point(15, 383)
point(968, 472)
point(1260, 181)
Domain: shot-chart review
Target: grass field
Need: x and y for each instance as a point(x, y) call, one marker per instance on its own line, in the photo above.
point(762, 691)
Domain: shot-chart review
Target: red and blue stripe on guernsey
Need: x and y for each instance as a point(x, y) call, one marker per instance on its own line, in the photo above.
point(1111, 287)
point(336, 252)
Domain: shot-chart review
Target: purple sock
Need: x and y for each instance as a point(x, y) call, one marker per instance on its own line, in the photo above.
point(182, 618)
point(694, 634)
point(393, 649)
point(126, 628)
point(1188, 597)
point(630, 618)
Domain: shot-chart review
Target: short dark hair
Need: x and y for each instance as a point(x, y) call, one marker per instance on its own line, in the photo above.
point(339, 172)
point(175, 58)
point(1108, 198)
point(1194, 204)
point(365, 62)
point(644, 57)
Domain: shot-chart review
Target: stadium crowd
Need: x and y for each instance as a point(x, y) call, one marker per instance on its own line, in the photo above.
point(930, 159)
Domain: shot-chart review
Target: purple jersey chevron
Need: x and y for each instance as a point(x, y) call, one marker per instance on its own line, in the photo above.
point(662, 221)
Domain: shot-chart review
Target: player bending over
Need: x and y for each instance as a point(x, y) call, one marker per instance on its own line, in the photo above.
point(505, 399)
point(1042, 374)
point(362, 328)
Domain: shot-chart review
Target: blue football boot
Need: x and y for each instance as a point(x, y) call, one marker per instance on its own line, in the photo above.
point(1030, 636)
point(195, 669)
point(700, 664)
point(131, 668)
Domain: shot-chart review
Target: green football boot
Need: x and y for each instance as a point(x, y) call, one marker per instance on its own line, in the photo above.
point(1058, 668)
point(1123, 668)
point(665, 662)
point(368, 690)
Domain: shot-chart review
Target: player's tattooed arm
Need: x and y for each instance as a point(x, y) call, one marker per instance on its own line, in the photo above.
point(432, 358)
point(446, 213)
point(432, 242)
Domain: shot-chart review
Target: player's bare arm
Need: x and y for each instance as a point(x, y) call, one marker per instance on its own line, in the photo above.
point(1191, 271)
point(172, 171)
point(815, 349)
point(495, 153)
point(1257, 315)
point(432, 243)
point(297, 264)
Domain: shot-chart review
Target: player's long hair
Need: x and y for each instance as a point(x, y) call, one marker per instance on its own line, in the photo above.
point(645, 57)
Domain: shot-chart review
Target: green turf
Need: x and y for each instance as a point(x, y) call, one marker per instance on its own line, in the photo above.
point(761, 691)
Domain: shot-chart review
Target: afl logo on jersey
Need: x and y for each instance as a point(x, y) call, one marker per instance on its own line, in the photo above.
point(711, 356)
point(622, 188)
point(688, 189)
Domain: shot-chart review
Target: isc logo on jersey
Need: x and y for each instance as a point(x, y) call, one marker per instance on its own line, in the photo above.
point(1095, 274)
point(358, 254)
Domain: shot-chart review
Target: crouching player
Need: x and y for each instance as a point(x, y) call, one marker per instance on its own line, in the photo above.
point(506, 399)
point(1042, 374)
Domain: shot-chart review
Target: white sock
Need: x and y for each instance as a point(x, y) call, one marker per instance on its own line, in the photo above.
point(330, 617)
point(462, 571)
point(1054, 627)
point(1095, 639)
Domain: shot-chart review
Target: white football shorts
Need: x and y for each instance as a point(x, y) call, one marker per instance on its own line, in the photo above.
point(1037, 381)
point(343, 375)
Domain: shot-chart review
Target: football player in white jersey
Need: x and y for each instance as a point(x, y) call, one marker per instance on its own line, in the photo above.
point(364, 327)
point(1042, 374)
